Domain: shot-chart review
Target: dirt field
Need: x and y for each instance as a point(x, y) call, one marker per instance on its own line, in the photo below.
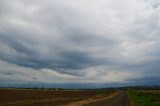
point(13, 97)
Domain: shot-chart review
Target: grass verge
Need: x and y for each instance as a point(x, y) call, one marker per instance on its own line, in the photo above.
point(144, 98)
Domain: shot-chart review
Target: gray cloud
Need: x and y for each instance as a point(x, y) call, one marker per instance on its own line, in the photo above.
point(80, 39)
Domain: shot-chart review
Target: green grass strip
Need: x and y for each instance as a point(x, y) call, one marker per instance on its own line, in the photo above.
point(144, 99)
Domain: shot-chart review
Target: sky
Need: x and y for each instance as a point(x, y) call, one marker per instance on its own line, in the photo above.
point(79, 43)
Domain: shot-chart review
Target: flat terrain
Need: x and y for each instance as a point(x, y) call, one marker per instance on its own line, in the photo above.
point(145, 97)
point(16, 97)
point(121, 99)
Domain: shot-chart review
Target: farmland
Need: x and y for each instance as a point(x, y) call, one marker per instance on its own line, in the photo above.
point(45, 97)
point(145, 97)
point(25, 97)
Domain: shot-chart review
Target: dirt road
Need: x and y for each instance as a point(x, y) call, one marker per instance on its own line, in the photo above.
point(121, 99)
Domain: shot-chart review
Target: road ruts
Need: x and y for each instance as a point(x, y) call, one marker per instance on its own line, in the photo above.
point(121, 99)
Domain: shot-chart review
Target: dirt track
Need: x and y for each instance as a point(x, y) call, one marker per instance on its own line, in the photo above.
point(121, 99)
point(116, 99)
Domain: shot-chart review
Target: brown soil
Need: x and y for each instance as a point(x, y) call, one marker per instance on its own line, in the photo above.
point(121, 99)
point(92, 100)
point(14, 97)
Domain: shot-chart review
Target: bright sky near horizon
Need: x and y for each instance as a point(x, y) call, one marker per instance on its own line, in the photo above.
point(108, 42)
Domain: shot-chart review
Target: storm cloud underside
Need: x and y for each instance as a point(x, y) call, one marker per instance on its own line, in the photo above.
point(67, 41)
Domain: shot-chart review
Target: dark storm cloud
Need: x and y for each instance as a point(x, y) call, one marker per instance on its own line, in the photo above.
point(7, 73)
point(145, 81)
point(34, 78)
point(24, 54)
point(28, 57)
point(81, 39)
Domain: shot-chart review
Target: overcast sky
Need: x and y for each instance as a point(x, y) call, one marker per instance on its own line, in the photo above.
point(79, 42)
